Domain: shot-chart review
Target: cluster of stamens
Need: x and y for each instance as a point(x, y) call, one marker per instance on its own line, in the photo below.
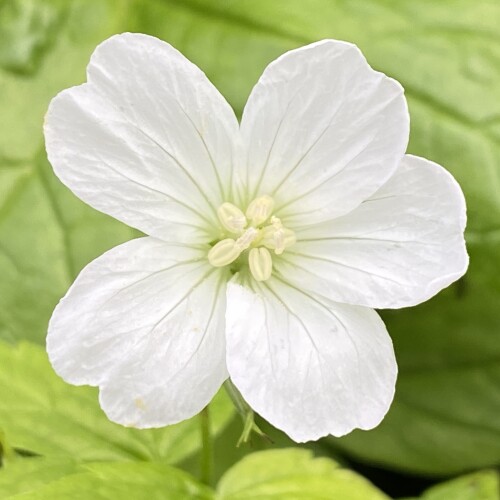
point(256, 232)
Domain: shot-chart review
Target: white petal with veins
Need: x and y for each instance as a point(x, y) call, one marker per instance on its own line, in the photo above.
point(323, 131)
point(309, 366)
point(148, 140)
point(145, 322)
point(398, 248)
point(311, 202)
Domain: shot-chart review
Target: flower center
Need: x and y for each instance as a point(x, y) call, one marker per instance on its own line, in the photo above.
point(252, 235)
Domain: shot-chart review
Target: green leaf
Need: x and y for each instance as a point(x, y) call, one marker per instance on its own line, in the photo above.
point(483, 485)
point(39, 412)
point(445, 415)
point(446, 54)
point(22, 475)
point(43, 479)
point(26, 31)
point(293, 474)
point(46, 234)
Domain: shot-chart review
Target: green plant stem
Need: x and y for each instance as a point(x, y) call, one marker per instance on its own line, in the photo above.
point(207, 459)
point(246, 413)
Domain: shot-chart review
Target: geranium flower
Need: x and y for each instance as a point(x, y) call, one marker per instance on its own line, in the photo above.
point(269, 241)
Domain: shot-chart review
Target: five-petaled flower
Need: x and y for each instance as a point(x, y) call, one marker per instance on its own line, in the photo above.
point(269, 241)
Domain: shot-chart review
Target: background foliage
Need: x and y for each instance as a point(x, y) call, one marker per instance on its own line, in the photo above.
point(445, 418)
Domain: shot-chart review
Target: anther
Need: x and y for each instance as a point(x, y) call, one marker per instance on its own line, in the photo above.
point(260, 263)
point(223, 253)
point(278, 236)
point(260, 210)
point(256, 232)
point(232, 218)
point(246, 239)
point(277, 239)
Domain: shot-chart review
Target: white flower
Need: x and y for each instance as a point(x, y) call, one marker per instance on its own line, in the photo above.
point(269, 242)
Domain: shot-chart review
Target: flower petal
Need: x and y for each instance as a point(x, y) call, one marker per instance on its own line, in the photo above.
point(148, 140)
point(309, 366)
point(397, 249)
point(145, 322)
point(323, 131)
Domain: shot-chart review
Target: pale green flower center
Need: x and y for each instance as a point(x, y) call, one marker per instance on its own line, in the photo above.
point(252, 235)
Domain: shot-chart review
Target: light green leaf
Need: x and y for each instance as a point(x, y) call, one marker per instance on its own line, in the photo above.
point(290, 474)
point(42, 479)
point(21, 475)
point(293, 474)
point(46, 234)
point(483, 485)
point(39, 412)
point(26, 29)
point(447, 56)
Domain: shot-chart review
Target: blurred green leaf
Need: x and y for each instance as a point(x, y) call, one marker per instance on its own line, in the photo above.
point(289, 474)
point(293, 474)
point(483, 485)
point(447, 56)
point(24, 475)
point(48, 479)
point(26, 28)
point(39, 412)
point(46, 234)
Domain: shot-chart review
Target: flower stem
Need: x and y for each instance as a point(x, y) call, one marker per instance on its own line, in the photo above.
point(207, 461)
point(246, 413)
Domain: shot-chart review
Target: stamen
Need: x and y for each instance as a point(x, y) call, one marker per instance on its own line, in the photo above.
point(278, 236)
point(277, 239)
point(246, 239)
point(260, 263)
point(276, 222)
point(232, 218)
point(257, 233)
point(223, 253)
point(260, 210)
